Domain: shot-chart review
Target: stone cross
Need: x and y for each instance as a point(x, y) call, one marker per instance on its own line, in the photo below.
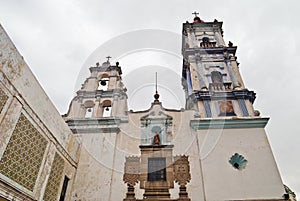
point(195, 13)
point(108, 57)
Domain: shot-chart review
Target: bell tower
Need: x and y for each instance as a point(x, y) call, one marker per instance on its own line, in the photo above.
point(234, 153)
point(211, 77)
point(101, 97)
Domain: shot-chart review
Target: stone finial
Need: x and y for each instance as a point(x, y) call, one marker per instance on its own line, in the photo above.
point(156, 95)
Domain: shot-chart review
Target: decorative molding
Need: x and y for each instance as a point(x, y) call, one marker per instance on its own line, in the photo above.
point(182, 170)
point(238, 161)
point(207, 108)
point(228, 95)
point(209, 51)
point(243, 107)
point(233, 123)
point(11, 192)
point(99, 125)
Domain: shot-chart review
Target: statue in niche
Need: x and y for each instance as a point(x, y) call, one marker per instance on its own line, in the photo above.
point(156, 139)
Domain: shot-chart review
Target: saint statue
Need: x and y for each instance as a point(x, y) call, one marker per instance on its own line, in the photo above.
point(156, 140)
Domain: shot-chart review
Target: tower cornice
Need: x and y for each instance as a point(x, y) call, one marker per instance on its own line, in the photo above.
point(240, 123)
point(206, 51)
point(228, 95)
point(216, 24)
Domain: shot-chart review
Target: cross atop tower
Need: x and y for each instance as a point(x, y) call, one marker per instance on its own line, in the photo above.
point(108, 57)
point(195, 13)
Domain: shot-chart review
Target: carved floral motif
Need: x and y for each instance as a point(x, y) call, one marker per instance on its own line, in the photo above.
point(132, 170)
point(181, 170)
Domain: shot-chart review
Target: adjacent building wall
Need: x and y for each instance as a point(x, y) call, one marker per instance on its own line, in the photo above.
point(37, 149)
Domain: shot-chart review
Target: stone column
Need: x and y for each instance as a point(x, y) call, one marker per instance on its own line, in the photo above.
point(230, 71)
point(218, 38)
point(189, 82)
point(201, 76)
point(192, 39)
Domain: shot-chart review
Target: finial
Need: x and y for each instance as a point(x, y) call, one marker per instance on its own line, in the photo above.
point(155, 82)
point(108, 57)
point(156, 95)
point(195, 13)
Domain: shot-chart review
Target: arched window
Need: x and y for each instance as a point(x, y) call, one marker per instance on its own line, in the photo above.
point(89, 108)
point(103, 82)
point(216, 77)
point(207, 43)
point(205, 40)
point(106, 106)
point(89, 112)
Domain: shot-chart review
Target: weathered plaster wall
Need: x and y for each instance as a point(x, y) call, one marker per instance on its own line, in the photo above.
point(101, 165)
point(260, 178)
point(25, 96)
point(102, 159)
point(19, 75)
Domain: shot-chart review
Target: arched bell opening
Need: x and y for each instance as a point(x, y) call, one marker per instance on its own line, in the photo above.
point(106, 108)
point(89, 109)
point(103, 82)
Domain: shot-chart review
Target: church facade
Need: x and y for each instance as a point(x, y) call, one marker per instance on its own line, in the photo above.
point(215, 148)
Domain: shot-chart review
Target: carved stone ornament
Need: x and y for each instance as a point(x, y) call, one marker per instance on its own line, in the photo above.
point(181, 170)
point(132, 170)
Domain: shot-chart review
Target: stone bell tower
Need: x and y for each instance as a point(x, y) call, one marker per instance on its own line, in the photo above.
point(102, 95)
point(235, 156)
point(211, 77)
point(95, 116)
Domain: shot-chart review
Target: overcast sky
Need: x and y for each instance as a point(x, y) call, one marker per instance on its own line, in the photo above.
point(57, 37)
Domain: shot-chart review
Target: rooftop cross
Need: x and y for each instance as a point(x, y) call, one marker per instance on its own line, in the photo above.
point(108, 57)
point(195, 13)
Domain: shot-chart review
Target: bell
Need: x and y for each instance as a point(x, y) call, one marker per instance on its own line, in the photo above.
point(89, 110)
point(102, 82)
point(107, 108)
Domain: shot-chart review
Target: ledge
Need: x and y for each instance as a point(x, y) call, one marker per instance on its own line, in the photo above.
point(156, 146)
point(97, 125)
point(228, 123)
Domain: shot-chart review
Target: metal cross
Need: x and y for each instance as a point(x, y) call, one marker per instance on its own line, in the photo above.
point(195, 13)
point(108, 57)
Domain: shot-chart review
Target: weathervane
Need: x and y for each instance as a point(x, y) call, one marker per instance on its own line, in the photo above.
point(195, 13)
